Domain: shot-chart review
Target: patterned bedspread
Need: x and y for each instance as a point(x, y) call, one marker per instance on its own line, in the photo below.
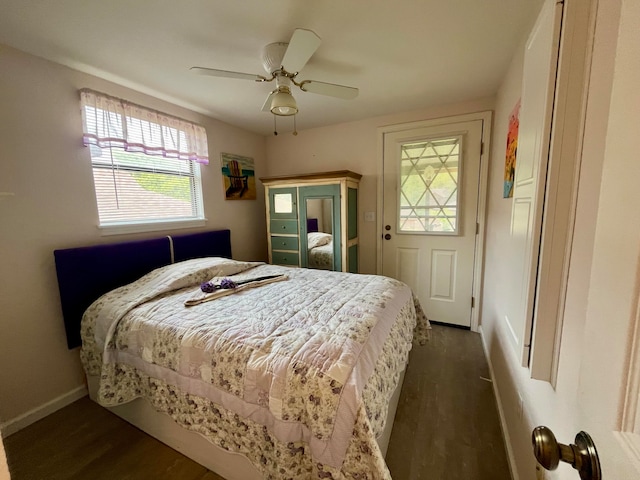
point(321, 257)
point(296, 375)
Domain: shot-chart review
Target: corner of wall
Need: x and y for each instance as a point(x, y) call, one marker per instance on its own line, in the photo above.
point(32, 416)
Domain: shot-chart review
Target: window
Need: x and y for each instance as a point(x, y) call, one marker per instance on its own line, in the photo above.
point(145, 164)
point(428, 191)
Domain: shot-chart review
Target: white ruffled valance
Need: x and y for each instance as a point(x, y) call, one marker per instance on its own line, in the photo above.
point(113, 122)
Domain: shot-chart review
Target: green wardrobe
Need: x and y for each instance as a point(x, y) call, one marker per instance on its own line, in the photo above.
point(312, 220)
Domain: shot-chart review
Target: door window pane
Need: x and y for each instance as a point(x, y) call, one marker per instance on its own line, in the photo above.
point(428, 191)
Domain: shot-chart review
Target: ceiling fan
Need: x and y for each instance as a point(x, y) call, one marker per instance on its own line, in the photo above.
point(283, 62)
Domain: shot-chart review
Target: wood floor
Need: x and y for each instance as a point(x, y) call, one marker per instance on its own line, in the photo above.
point(447, 425)
point(446, 428)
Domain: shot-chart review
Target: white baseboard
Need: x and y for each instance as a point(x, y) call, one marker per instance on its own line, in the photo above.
point(503, 423)
point(38, 413)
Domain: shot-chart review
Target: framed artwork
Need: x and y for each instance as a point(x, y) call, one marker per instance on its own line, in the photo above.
point(512, 151)
point(238, 175)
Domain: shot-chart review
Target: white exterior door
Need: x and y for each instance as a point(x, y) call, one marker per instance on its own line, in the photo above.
point(430, 197)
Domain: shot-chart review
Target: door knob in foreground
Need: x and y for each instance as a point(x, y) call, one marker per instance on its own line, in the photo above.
point(387, 236)
point(582, 456)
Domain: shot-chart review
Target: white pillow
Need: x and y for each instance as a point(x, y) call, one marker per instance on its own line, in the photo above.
point(317, 239)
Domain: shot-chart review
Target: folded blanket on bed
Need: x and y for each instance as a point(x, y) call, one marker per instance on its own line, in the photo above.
point(219, 289)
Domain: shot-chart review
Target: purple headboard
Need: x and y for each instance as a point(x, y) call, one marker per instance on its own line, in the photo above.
point(312, 224)
point(86, 273)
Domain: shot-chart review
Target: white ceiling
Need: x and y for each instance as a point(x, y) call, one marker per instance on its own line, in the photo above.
point(402, 54)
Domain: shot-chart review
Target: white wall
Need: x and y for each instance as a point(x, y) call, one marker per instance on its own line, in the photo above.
point(352, 146)
point(526, 403)
point(43, 163)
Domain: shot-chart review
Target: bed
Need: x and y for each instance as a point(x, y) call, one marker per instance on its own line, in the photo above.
point(320, 250)
point(288, 373)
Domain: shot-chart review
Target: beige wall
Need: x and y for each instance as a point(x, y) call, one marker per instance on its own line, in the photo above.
point(4, 468)
point(496, 274)
point(352, 146)
point(47, 171)
point(526, 403)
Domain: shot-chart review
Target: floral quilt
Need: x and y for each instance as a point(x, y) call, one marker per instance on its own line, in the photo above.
point(295, 374)
point(321, 257)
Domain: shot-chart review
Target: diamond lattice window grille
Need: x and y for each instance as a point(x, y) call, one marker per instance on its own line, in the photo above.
point(428, 190)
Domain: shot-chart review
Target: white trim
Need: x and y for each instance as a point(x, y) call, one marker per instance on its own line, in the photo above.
point(511, 457)
point(629, 434)
point(561, 196)
point(478, 279)
point(630, 443)
point(486, 118)
point(123, 228)
point(38, 413)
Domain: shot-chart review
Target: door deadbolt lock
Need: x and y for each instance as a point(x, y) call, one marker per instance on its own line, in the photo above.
point(387, 227)
point(582, 456)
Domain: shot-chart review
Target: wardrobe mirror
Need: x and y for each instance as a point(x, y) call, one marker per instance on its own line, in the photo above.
point(320, 247)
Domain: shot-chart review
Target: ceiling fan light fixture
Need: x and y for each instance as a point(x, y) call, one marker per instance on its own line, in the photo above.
point(283, 62)
point(283, 104)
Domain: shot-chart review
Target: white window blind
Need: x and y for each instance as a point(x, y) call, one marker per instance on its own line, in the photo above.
point(145, 163)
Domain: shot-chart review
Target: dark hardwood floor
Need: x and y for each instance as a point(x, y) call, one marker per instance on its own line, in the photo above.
point(446, 428)
point(447, 425)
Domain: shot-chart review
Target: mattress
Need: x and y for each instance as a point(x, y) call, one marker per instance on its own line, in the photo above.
point(295, 373)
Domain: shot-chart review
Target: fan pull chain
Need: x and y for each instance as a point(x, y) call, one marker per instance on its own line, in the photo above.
point(295, 129)
point(275, 129)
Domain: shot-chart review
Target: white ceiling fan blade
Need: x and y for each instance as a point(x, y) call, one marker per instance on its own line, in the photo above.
point(329, 89)
point(214, 72)
point(267, 103)
point(302, 45)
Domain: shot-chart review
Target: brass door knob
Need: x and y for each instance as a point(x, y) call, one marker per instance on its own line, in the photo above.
point(582, 456)
point(387, 236)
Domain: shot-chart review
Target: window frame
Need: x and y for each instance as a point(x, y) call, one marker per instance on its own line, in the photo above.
point(460, 142)
point(115, 126)
point(150, 225)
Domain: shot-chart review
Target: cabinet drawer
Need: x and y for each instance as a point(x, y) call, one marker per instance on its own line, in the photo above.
point(284, 226)
point(284, 258)
point(284, 243)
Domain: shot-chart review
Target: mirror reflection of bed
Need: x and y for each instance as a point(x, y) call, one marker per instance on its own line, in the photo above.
point(320, 233)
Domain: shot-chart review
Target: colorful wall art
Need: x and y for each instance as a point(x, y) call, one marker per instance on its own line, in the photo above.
point(238, 174)
point(512, 150)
